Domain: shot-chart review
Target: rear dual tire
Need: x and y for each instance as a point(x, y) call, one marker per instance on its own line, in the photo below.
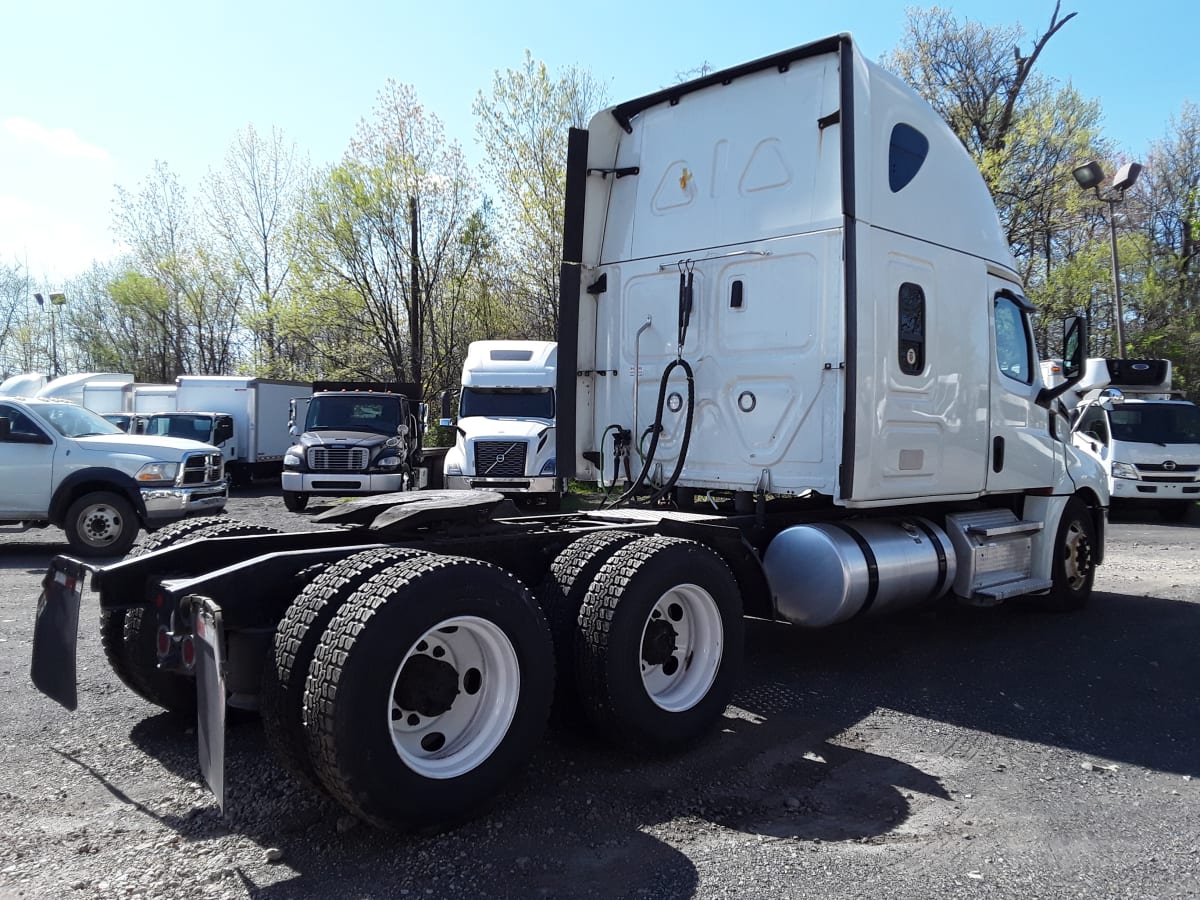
point(430, 687)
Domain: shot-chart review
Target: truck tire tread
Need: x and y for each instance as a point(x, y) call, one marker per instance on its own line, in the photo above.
point(611, 625)
point(561, 596)
point(285, 670)
point(358, 658)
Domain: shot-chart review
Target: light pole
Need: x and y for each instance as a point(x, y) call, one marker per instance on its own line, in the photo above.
point(1089, 176)
point(57, 298)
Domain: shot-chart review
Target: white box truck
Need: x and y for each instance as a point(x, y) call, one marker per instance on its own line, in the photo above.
point(1145, 436)
point(113, 400)
point(246, 418)
point(504, 436)
point(153, 398)
point(790, 277)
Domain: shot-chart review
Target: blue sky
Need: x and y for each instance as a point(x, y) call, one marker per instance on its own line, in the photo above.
point(93, 92)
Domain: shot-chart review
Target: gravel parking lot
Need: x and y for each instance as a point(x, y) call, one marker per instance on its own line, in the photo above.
point(946, 752)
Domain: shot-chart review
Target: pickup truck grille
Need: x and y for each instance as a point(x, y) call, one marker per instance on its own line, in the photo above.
point(334, 459)
point(202, 468)
point(500, 459)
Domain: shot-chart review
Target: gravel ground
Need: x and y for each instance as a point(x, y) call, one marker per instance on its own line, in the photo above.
point(942, 753)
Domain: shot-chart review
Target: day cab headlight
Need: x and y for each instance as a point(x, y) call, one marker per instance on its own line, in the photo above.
point(1125, 470)
point(389, 462)
point(453, 469)
point(549, 466)
point(157, 471)
point(291, 458)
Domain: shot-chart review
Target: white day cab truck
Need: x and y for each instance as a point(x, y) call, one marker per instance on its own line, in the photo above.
point(61, 464)
point(247, 418)
point(504, 436)
point(790, 277)
point(1145, 436)
point(354, 438)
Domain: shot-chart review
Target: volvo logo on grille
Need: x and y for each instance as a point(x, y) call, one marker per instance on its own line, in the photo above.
point(1169, 465)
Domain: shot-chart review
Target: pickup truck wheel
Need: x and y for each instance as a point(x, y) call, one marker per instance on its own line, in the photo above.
point(431, 686)
point(112, 621)
point(172, 691)
point(295, 501)
point(561, 596)
point(281, 700)
point(1074, 565)
point(660, 643)
point(101, 524)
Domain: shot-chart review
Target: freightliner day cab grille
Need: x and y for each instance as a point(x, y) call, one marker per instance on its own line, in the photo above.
point(334, 459)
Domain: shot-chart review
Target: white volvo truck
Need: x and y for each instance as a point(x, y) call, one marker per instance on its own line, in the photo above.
point(786, 283)
point(504, 436)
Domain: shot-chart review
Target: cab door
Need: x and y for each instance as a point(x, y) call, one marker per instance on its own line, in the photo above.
point(1022, 451)
point(26, 466)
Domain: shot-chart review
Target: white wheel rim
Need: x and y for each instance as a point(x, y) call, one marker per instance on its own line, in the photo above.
point(99, 525)
point(460, 689)
point(681, 647)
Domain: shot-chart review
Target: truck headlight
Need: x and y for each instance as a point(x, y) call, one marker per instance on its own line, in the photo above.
point(1125, 470)
point(548, 466)
point(157, 471)
point(453, 469)
point(292, 459)
point(388, 462)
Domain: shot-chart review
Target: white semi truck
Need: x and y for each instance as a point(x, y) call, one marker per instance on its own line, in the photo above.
point(504, 436)
point(1145, 436)
point(247, 418)
point(787, 283)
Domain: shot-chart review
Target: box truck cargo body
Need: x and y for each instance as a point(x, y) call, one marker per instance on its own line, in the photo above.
point(246, 418)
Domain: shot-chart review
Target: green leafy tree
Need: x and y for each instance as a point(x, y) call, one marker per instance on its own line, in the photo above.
point(385, 226)
point(523, 128)
point(248, 205)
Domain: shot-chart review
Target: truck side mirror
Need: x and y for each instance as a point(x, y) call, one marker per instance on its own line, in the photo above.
point(444, 399)
point(223, 431)
point(1074, 352)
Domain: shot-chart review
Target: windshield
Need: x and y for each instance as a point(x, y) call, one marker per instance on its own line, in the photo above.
point(507, 403)
point(1156, 423)
point(380, 413)
point(180, 425)
point(73, 421)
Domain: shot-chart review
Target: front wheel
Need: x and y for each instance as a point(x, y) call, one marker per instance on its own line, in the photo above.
point(1074, 567)
point(431, 686)
point(101, 524)
point(660, 643)
point(295, 501)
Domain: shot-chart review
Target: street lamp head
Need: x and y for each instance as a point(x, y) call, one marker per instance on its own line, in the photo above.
point(1126, 176)
point(41, 301)
point(1089, 175)
point(58, 298)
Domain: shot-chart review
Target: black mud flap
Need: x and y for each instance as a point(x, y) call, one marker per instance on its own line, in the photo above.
point(56, 631)
point(210, 696)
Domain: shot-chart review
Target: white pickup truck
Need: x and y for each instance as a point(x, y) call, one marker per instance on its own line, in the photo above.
point(61, 464)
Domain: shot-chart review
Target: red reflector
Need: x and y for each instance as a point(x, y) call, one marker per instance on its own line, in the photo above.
point(189, 652)
point(164, 641)
point(158, 600)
